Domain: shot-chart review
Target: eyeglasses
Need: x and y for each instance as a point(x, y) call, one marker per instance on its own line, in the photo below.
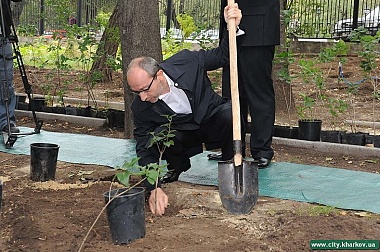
point(147, 88)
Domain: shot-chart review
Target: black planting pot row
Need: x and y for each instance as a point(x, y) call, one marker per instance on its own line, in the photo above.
point(332, 136)
point(115, 118)
point(286, 131)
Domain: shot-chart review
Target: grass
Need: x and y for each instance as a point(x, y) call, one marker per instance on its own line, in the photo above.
point(318, 210)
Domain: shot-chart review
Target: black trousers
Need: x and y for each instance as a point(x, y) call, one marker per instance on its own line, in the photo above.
point(256, 95)
point(215, 133)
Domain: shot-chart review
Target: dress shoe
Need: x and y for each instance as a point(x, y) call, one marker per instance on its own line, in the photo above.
point(14, 129)
point(263, 162)
point(170, 176)
point(215, 156)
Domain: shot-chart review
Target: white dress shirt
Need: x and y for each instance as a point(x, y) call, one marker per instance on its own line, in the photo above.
point(176, 99)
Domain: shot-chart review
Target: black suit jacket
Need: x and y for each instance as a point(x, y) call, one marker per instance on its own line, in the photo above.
point(188, 69)
point(261, 21)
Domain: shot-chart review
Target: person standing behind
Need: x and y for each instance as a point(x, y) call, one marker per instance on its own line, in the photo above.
point(6, 69)
point(261, 23)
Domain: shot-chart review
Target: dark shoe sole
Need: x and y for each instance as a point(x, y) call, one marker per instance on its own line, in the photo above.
point(263, 162)
point(170, 177)
point(215, 156)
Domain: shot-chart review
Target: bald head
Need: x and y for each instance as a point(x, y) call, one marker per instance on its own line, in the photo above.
point(147, 64)
point(145, 78)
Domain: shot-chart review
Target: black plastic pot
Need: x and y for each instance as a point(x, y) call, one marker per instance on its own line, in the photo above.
point(43, 161)
point(115, 118)
point(310, 130)
point(72, 111)
point(376, 141)
point(286, 131)
point(20, 98)
point(87, 112)
point(22, 106)
point(331, 136)
point(78, 111)
point(354, 138)
point(373, 139)
point(126, 214)
point(101, 114)
point(37, 103)
point(47, 109)
point(58, 110)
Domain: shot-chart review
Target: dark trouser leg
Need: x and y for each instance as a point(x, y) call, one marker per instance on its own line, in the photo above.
point(256, 95)
point(226, 92)
point(217, 132)
point(176, 157)
point(255, 66)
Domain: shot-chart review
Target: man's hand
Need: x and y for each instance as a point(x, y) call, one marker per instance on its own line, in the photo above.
point(232, 11)
point(158, 201)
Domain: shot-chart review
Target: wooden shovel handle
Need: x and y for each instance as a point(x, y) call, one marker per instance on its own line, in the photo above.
point(234, 87)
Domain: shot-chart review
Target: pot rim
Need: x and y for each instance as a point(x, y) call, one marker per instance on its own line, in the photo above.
point(111, 193)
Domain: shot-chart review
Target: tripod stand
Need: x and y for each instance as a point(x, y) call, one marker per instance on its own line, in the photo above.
point(8, 35)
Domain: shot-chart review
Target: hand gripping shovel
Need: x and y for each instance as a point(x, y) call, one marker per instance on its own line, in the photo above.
point(237, 178)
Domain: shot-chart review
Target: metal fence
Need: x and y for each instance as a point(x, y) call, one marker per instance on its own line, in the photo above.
point(205, 14)
point(45, 15)
point(309, 18)
point(333, 18)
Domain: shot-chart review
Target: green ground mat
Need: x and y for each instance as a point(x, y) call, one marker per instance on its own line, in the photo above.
point(316, 184)
point(77, 148)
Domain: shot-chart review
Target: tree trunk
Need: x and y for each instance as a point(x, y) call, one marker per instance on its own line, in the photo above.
point(107, 48)
point(140, 36)
point(283, 89)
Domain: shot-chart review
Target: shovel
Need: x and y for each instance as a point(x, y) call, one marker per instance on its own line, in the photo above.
point(237, 178)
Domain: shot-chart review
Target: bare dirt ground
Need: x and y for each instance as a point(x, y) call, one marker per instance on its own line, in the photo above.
point(56, 215)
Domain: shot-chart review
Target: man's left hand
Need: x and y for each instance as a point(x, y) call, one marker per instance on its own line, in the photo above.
point(158, 201)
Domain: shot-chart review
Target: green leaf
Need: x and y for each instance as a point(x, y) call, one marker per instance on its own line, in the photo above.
point(123, 177)
point(152, 174)
point(151, 181)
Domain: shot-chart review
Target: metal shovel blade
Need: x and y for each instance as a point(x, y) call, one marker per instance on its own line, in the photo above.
point(238, 186)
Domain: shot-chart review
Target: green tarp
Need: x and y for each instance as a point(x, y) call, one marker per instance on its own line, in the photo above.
point(78, 148)
point(328, 186)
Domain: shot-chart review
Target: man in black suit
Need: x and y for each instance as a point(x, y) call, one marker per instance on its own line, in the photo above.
point(180, 86)
point(261, 23)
